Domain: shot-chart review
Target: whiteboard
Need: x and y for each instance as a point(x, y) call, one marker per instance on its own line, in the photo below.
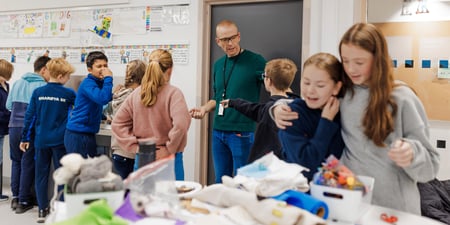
point(17, 5)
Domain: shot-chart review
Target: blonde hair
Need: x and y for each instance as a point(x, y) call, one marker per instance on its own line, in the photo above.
point(281, 72)
point(135, 72)
point(160, 61)
point(59, 66)
point(6, 69)
point(378, 122)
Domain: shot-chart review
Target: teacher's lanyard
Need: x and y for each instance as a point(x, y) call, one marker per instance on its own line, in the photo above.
point(225, 82)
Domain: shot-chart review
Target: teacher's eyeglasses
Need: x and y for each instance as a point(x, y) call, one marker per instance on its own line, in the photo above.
point(228, 39)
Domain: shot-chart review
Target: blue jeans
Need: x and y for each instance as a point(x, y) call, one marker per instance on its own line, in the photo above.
point(230, 151)
point(81, 143)
point(22, 166)
point(44, 157)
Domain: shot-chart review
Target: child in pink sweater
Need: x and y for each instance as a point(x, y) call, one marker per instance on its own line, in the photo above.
point(155, 111)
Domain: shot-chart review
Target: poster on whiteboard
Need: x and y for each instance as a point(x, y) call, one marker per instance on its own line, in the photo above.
point(31, 25)
point(57, 24)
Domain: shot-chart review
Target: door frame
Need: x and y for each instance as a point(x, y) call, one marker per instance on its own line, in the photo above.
point(206, 8)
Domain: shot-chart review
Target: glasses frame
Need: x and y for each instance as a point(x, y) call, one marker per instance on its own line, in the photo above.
point(263, 75)
point(228, 39)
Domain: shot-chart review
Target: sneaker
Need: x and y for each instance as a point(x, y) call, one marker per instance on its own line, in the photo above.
point(43, 213)
point(4, 198)
point(14, 203)
point(21, 208)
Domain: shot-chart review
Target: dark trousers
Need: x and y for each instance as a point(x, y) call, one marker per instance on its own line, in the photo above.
point(22, 167)
point(44, 157)
point(122, 165)
point(82, 143)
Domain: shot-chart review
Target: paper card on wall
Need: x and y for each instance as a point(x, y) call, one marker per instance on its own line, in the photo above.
point(73, 56)
point(114, 55)
point(5, 54)
point(426, 63)
point(394, 63)
point(31, 25)
point(57, 24)
point(180, 55)
point(409, 63)
point(443, 63)
point(155, 17)
point(443, 73)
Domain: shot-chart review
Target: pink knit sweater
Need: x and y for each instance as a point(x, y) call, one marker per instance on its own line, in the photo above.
point(166, 122)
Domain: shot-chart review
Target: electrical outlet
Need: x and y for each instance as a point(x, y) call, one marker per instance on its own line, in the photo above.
point(440, 144)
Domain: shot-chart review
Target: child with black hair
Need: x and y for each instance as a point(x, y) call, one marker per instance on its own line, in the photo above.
point(94, 92)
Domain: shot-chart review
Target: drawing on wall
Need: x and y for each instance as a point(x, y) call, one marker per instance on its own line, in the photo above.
point(102, 30)
point(31, 25)
point(57, 24)
point(408, 7)
point(13, 55)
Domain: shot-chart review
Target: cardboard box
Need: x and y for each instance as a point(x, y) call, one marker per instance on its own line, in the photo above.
point(344, 205)
point(76, 203)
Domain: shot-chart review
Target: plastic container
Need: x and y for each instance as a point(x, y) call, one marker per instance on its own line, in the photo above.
point(76, 202)
point(345, 205)
point(146, 154)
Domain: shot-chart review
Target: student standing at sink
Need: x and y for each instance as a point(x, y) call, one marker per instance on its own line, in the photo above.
point(123, 161)
point(155, 111)
point(94, 92)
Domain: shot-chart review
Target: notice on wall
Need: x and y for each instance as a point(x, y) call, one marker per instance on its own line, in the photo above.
point(31, 25)
point(57, 24)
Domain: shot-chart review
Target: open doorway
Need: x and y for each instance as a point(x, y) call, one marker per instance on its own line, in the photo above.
point(270, 28)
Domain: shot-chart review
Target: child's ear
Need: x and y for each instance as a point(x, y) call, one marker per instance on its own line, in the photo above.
point(337, 88)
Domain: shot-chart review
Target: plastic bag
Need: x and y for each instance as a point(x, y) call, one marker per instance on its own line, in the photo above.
point(152, 189)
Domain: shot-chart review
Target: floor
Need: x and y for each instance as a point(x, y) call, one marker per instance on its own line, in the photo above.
point(10, 217)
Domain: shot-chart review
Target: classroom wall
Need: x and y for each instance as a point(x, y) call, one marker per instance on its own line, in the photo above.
point(415, 35)
point(323, 28)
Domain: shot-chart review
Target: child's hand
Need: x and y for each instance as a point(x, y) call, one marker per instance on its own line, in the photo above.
point(106, 72)
point(401, 153)
point(331, 108)
point(225, 103)
point(283, 115)
point(24, 146)
point(197, 113)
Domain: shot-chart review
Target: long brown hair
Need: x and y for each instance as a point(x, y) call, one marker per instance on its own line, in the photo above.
point(328, 63)
point(378, 121)
point(160, 61)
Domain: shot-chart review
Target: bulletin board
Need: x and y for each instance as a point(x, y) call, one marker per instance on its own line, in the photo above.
point(123, 33)
point(421, 52)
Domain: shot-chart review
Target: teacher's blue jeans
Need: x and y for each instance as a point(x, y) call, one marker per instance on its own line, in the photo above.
point(230, 151)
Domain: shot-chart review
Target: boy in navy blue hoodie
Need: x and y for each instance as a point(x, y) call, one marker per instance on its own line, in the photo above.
point(22, 163)
point(46, 117)
point(6, 70)
point(94, 92)
point(278, 77)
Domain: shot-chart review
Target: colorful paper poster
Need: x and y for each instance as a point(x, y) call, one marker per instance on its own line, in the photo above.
point(155, 17)
point(57, 24)
point(31, 25)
